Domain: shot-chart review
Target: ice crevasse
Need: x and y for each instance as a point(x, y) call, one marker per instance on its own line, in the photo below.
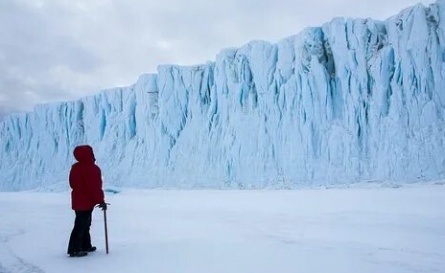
point(353, 100)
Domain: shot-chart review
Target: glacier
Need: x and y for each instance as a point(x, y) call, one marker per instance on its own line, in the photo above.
point(355, 100)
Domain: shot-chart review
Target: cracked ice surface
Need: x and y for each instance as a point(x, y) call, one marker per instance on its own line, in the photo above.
point(363, 230)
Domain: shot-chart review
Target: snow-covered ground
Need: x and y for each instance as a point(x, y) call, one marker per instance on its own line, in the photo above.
point(327, 230)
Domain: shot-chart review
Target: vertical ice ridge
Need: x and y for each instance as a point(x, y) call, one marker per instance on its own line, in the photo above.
point(352, 100)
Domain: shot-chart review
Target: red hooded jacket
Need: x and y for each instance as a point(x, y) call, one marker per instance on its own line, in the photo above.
point(85, 180)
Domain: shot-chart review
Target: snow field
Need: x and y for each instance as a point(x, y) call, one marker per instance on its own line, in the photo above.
point(327, 230)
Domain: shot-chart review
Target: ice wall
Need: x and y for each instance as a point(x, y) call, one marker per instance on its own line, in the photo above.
point(353, 100)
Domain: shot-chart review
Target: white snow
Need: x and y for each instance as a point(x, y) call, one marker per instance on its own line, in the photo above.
point(353, 100)
point(376, 229)
point(333, 111)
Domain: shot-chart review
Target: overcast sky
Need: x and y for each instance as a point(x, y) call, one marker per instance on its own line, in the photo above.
point(59, 50)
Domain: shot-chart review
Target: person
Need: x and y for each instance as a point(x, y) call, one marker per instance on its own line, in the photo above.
point(85, 180)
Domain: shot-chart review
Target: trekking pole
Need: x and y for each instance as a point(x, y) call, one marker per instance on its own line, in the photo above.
point(106, 231)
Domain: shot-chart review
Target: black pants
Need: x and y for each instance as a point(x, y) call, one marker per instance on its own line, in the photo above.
point(80, 238)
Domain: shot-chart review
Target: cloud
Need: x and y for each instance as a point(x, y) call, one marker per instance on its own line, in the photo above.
point(32, 51)
point(59, 50)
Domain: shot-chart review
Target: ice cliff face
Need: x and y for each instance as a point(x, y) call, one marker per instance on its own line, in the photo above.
point(353, 100)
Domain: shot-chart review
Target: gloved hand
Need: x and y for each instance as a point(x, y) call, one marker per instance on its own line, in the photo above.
point(103, 206)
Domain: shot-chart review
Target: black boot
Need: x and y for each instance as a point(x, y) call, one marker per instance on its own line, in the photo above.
point(79, 254)
point(91, 249)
